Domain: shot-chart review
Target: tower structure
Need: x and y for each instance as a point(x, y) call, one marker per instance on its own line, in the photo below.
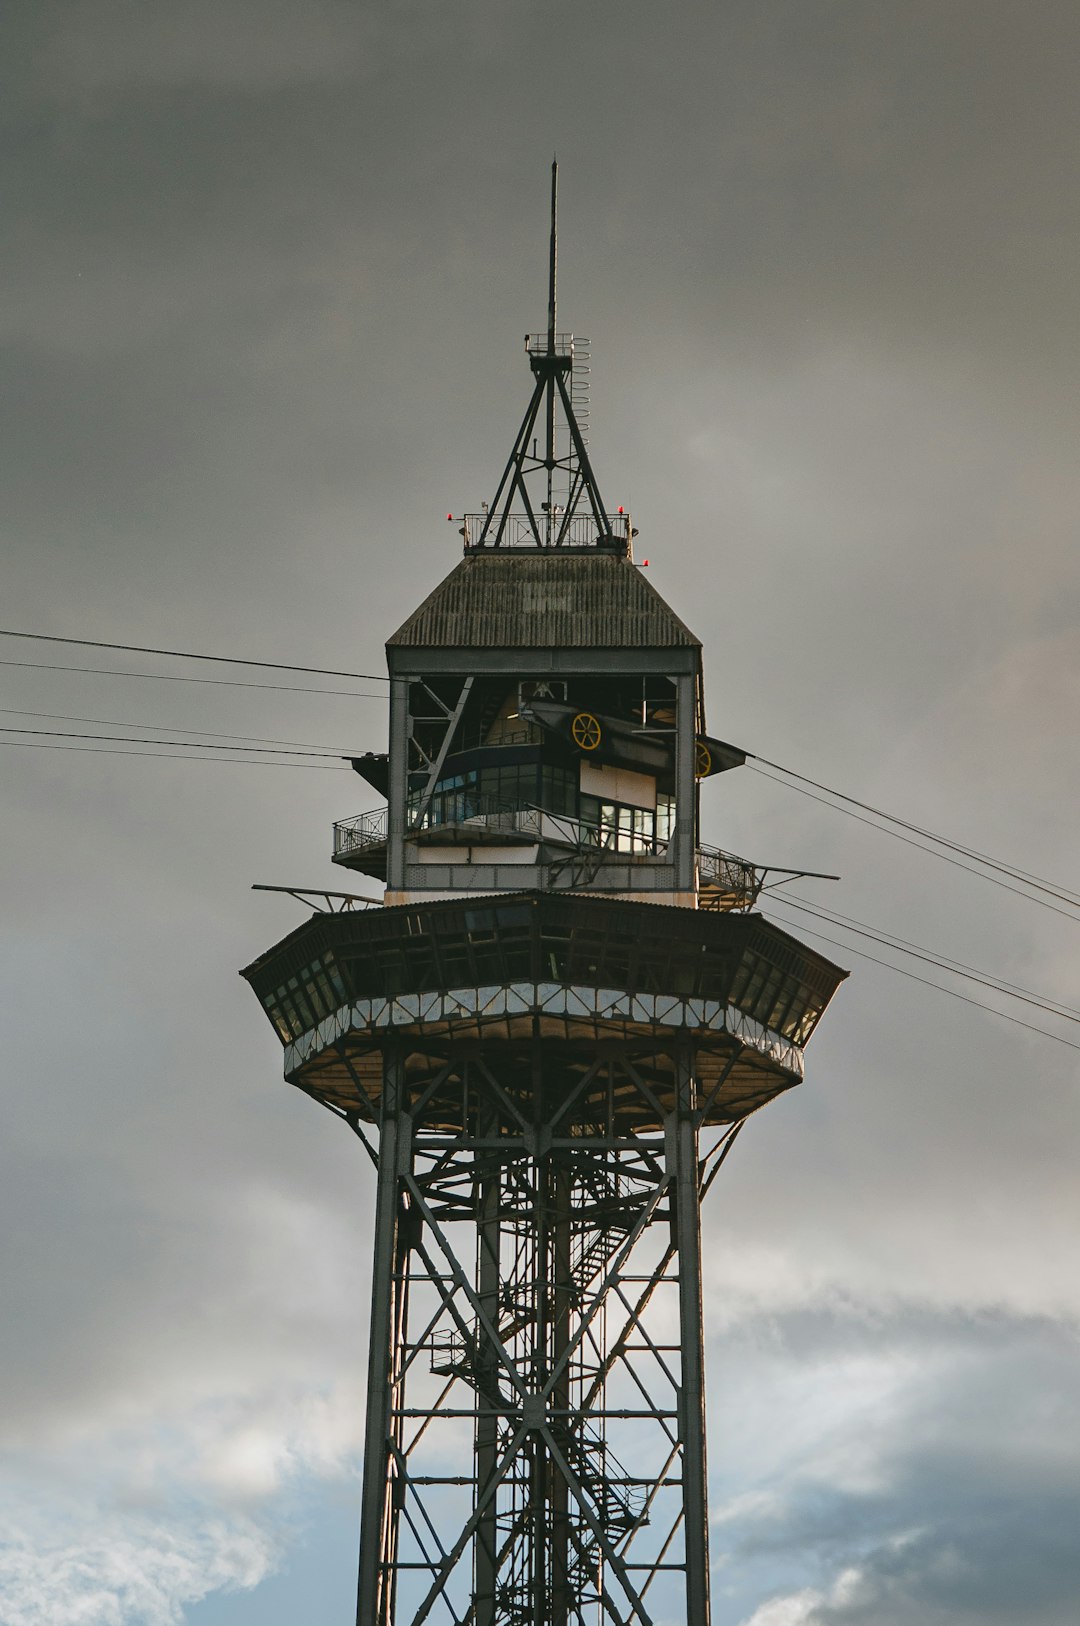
point(546, 1039)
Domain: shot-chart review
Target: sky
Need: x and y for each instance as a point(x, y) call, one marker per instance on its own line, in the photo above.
point(267, 269)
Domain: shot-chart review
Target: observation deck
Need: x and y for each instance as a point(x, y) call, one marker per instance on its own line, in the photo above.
point(572, 973)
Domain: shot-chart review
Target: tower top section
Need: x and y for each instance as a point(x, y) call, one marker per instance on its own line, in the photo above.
point(545, 599)
point(548, 497)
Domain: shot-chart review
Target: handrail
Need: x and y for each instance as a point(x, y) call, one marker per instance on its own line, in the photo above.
point(724, 880)
point(520, 531)
point(729, 877)
point(363, 830)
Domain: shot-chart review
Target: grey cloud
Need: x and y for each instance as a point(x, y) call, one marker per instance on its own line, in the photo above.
point(268, 275)
point(967, 1511)
point(117, 46)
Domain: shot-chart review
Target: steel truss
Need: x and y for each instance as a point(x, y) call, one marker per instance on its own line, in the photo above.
point(535, 1403)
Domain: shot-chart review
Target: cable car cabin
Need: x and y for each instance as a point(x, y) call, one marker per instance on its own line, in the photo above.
point(547, 731)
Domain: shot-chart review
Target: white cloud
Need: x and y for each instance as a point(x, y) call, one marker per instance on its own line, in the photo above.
point(794, 1610)
point(801, 1608)
point(121, 1569)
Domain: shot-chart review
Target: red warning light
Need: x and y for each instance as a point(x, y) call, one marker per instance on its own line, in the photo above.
point(450, 516)
point(621, 509)
point(644, 562)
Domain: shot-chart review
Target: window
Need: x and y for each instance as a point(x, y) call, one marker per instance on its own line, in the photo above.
point(618, 828)
point(496, 788)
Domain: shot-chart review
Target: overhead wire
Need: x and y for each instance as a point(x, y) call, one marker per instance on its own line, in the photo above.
point(928, 958)
point(943, 856)
point(944, 848)
point(135, 739)
point(1028, 878)
point(927, 982)
point(191, 655)
point(177, 756)
point(115, 722)
point(184, 677)
point(1054, 888)
point(901, 943)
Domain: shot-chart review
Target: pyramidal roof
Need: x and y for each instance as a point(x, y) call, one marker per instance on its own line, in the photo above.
point(543, 599)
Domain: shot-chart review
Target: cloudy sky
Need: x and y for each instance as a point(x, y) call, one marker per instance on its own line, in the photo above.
point(267, 267)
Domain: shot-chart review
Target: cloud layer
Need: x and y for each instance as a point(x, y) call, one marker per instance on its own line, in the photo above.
point(268, 271)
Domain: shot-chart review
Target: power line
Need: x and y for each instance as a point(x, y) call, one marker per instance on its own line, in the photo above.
point(928, 958)
point(1054, 888)
point(907, 840)
point(190, 655)
point(176, 756)
point(1027, 879)
point(178, 677)
point(927, 983)
point(114, 722)
point(70, 734)
point(891, 940)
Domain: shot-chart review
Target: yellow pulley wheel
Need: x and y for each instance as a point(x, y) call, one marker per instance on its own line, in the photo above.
point(585, 731)
point(702, 760)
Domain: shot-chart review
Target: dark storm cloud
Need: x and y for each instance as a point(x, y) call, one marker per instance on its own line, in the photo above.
point(267, 272)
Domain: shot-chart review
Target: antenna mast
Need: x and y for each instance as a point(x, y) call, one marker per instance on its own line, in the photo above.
point(553, 267)
point(542, 488)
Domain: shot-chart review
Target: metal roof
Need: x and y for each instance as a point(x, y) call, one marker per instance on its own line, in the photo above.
point(540, 599)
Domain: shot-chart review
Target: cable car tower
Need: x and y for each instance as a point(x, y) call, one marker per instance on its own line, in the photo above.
point(546, 1040)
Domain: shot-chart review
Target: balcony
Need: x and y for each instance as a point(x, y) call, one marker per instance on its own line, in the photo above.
point(725, 882)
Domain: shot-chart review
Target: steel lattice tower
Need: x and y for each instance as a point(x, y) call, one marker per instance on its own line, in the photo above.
point(547, 1039)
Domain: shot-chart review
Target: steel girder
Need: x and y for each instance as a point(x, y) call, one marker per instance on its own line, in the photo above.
point(535, 1406)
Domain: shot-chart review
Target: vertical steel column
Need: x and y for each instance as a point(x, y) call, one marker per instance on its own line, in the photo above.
point(542, 1471)
point(397, 801)
point(378, 1513)
point(549, 1528)
point(682, 1136)
point(488, 1279)
point(562, 1287)
point(685, 832)
point(552, 275)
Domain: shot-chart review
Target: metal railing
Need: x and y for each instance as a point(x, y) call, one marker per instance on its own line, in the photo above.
point(565, 344)
point(365, 830)
point(519, 531)
point(724, 881)
point(733, 882)
point(453, 807)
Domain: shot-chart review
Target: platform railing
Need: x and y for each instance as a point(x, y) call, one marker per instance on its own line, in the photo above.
point(450, 808)
point(724, 880)
point(519, 530)
point(365, 830)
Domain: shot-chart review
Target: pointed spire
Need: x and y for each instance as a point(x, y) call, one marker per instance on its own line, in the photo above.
point(554, 259)
point(564, 478)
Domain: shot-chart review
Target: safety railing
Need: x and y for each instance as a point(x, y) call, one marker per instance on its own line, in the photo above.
point(726, 882)
point(365, 830)
point(579, 530)
point(448, 808)
point(565, 344)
